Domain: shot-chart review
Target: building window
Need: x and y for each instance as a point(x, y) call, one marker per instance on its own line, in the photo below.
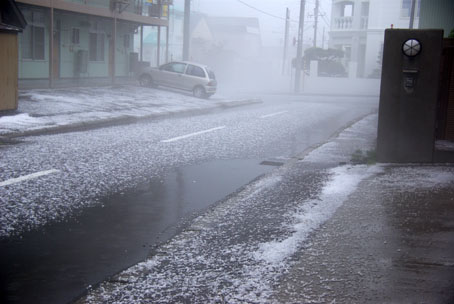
point(406, 8)
point(96, 47)
point(33, 37)
point(75, 36)
point(347, 10)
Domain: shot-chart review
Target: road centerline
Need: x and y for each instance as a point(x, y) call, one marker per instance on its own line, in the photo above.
point(192, 134)
point(27, 177)
point(273, 114)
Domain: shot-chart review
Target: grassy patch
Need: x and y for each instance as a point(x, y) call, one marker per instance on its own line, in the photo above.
point(364, 157)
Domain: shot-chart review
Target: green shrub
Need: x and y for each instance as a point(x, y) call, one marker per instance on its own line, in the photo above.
point(366, 158)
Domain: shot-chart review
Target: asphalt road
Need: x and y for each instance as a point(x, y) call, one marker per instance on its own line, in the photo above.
point(93, 203)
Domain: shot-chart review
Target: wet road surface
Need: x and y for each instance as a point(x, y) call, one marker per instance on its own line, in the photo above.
point(103, 239)
point(149, 178)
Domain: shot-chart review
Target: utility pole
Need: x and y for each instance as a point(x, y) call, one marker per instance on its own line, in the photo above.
point(287, 23)
point(323, 38)
point(412, 13)
point(315, 21)
point(186, 29)
point(299, 49)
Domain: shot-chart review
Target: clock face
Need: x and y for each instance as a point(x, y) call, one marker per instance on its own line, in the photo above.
point(411, 47)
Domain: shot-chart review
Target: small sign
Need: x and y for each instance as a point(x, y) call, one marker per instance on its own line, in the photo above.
point(409, 82)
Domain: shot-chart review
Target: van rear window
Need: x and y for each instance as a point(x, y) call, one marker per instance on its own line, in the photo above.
point(211, 74)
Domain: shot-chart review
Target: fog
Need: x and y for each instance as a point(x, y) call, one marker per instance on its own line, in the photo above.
point(244, 43)
point(247, 52)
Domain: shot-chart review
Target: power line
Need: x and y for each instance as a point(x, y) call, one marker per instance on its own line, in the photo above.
point(323, 14)
point(275, 16)
point(264, 12)
point(324, 20)
point(261, 11)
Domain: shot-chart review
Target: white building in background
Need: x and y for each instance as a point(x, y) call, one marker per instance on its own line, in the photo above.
point(357, 27)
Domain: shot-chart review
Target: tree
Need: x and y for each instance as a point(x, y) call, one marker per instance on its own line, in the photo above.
point(328, 60)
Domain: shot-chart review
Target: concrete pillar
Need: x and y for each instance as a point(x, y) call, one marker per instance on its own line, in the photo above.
point(408, 96)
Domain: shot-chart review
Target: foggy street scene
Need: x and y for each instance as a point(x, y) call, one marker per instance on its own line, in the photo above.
point(228, 151)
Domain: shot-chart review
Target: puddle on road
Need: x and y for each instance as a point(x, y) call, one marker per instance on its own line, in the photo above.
point(56, 263)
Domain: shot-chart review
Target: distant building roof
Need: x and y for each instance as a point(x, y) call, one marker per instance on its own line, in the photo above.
point(227, 24)
point(234, 24)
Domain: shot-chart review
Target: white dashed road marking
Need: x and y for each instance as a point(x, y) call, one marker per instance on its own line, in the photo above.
point(273, 114)
point(27, 177)
point(192, 134)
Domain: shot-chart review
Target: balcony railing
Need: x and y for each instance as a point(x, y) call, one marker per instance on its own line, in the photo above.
point(343, 23)
point(346, 23)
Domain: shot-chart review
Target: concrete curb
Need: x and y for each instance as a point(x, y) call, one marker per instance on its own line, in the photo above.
point(127, 119)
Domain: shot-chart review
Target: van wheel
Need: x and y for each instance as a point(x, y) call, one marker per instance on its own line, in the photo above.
point(199, 92)
point(146, 81)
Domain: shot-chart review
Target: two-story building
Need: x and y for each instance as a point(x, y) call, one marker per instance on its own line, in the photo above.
point(357, 27)
point(83, 41)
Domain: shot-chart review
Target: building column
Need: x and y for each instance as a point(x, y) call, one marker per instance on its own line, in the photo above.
point(114, 43)
point(167, 33)
point(167, 43)
point(186, 29)
point(141, 43)
point(355, 50)
point(51, 46)
point(158, 54)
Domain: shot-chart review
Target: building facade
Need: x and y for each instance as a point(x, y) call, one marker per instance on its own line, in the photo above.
point(437, 14)
point(156, 48)
point(79, 41)
point(357, 28)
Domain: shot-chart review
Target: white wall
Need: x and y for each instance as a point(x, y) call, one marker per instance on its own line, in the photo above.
point(341, 86)
point(338, 85)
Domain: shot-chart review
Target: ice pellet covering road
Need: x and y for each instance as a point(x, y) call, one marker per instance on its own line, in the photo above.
point(95, 164)
point(41, 110)
point(219, 258)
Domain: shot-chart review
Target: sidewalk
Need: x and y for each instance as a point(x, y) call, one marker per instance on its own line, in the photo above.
point(319, 229)
point(56, 110)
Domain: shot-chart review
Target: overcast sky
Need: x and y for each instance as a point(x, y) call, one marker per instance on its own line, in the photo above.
point(272, 28)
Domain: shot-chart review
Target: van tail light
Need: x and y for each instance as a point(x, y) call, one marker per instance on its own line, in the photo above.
point(212, 83)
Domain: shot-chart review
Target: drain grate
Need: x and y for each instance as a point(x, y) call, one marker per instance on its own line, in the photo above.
point(271, 163)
